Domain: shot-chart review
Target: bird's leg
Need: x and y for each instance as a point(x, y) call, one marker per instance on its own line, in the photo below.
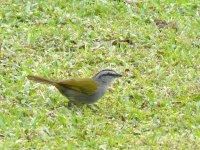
point(71, 104)
point(93, 107)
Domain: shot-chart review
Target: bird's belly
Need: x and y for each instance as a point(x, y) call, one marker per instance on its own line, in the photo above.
point(78, 97)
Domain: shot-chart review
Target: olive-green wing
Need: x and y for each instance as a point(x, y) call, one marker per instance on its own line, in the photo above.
point(86, 85)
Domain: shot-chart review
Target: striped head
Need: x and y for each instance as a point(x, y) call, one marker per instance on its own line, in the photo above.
point(106, 76)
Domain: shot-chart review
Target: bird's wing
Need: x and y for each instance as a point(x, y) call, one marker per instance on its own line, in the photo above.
point(86, 85)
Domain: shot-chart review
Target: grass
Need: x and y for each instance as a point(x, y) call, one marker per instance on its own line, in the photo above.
point(155, 105)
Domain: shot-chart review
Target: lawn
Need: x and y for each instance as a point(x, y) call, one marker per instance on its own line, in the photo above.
point(154, 44)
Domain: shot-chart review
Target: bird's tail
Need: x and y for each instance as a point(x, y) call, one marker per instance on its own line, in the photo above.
point(41, 80)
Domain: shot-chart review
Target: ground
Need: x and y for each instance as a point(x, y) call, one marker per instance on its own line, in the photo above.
point(154, 44)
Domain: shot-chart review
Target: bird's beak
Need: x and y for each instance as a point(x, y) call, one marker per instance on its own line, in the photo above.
point(118, 75)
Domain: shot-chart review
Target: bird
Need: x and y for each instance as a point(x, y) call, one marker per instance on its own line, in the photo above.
point(82, 90)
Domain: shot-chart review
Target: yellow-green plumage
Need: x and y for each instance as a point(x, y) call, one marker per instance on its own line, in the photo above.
point(86, 85)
